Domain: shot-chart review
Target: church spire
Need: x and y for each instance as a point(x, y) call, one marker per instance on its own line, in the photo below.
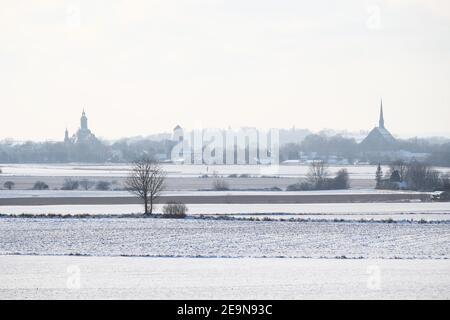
point(66, 135)
point(381, 122)
point(83, 121)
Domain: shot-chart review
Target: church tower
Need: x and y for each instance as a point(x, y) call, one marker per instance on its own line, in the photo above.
point(84, 134)
point(66, 136)
point(83, 121)
point(381, 121)
point(178, 134)
point(379, 139)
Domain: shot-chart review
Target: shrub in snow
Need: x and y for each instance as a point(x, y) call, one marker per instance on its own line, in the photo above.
point(9, 185)
point(70, 184)
point(103, 185)
point(341, 181)
point(175, 210)
point(40, 185)
point(86, 184)
point(220, 185)
point(302, 186)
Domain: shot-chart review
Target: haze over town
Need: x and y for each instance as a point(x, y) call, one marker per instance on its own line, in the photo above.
point(142, 67)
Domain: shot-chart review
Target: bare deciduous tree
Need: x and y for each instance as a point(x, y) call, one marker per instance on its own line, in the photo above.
point(421, 176)
point(318, 172)
point(401, 167)
point(146, 181)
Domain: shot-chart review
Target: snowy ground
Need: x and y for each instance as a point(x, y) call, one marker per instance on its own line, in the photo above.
point(182, 177)
point(47, 277)
point(428, 211)
point(120, 170)
point(190, 183)
point(136, 258)
point(80, 193)
point(223, 238)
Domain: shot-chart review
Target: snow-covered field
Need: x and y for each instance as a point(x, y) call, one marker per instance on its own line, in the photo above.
point(47, 277)
point(428, 211)
point(330, 255)
point(80, 193)
point(136, 258)
point(121, 170)
point(222, 238)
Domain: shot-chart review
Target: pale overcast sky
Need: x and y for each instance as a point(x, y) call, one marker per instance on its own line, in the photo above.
point(141, 67)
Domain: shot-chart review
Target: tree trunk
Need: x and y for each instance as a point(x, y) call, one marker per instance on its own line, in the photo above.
point(151, 205)
point(146, 205)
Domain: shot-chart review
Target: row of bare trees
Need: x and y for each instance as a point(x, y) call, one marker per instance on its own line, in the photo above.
point(412, 175)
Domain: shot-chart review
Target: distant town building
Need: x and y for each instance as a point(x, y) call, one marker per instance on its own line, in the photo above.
point(83, 134)
point(293, 135)
point(379, 139)
point(177, 134)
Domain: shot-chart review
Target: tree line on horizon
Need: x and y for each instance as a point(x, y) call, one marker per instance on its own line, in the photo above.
point(127, 150)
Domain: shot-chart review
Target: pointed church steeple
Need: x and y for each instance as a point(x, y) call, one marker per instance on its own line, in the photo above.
point(66, 136)
point(381, 122)
point(83, 121)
